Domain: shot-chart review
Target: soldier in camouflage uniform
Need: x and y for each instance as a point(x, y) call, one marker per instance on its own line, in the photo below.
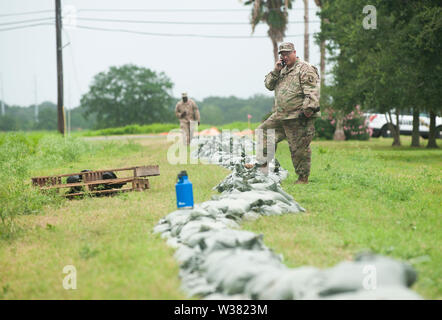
point(187, 112)
point(296, 85)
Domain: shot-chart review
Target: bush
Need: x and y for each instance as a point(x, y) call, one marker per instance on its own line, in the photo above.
point(356, 128)
point(19, 153)
point(56, 149)
point(17, 197)
point(355, 125)
point(324, 129)
point(134, 129)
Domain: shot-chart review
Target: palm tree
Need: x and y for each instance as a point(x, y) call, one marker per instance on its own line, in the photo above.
point(306, 35)
point(322, 47)
point(275, 14)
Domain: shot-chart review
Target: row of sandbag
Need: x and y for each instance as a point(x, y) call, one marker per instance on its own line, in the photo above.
point(217, 260)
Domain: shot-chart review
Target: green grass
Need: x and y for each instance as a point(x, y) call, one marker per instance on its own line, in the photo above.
point(159, 128)
point(108, 239)
point(362, 195)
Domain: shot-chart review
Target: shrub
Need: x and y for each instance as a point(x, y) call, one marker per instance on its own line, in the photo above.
point(17, 196)
point(56, 149)
point(324, 129)
point(355, 125)
point(19, 153)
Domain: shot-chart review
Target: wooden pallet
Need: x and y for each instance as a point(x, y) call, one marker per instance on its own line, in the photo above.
point(92, 181)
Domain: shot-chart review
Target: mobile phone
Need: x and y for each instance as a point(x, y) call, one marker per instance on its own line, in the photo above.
point(282, 62)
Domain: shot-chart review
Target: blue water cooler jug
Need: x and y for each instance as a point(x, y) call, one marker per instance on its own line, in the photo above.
point(184, 191)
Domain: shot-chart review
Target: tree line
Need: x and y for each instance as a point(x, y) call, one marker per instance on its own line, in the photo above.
point(23, 118)
point(128, 95)
point(383, 55)
point(385, 58)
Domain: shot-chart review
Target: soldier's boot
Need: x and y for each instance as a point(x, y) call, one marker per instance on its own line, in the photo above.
point(264, 169)
point(302, 180)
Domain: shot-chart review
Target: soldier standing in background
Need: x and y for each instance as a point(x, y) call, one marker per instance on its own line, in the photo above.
point(296, 84)
point(187, 112)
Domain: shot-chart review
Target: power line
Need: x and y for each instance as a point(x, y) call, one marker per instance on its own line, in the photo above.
point(180, 35)
point(24, 13)
point(142, 10)
point(152, 33)
point(27, 26)
point(176, 22)
point(26, 21)
point(180, 10)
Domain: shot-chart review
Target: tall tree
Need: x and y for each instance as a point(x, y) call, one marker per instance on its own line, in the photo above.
point(306, 34)
point(426, 44)
point(322, 46)
point(129, 95)
point(394, 65)
point(275, 14)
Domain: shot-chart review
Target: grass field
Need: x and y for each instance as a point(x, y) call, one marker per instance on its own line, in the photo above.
point(159, 128)
point(362, 195)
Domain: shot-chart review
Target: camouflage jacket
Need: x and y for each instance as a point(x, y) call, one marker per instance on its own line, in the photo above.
point(187, 110)
point(296, 89)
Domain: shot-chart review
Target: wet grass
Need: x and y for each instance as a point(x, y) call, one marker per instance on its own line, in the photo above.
point(108, 240)
point(362, 195)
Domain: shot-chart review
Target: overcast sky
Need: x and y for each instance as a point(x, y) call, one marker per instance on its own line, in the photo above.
point(201, 66)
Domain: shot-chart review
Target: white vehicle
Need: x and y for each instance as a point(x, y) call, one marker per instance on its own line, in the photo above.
point(378, 123)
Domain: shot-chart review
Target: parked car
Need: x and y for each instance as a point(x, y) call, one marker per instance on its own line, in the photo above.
point(377, 122)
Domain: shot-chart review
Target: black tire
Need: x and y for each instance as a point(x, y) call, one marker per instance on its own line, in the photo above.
point(385, 131)
point(111, 175)
point(74, 179)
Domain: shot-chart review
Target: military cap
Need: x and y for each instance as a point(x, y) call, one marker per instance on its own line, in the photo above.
point(286, 46)
point(184, 94)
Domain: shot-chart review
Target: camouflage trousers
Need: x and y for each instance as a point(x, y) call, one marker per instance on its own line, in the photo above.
point(187, 129)
point(299, 134)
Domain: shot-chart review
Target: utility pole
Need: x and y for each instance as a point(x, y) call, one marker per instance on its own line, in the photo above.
point(69, 108)
point(60, 108)
point(3, 95)
point(35, 97)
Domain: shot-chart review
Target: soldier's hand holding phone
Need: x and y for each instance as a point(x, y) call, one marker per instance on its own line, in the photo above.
point(280, 64)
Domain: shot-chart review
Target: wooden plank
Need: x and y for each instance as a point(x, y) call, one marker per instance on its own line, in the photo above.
point(97, 192)
point(140, 184)
point(80, 173)
point(145, 187)
point(87, 183)
point(147, 171)
point(91, 180)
